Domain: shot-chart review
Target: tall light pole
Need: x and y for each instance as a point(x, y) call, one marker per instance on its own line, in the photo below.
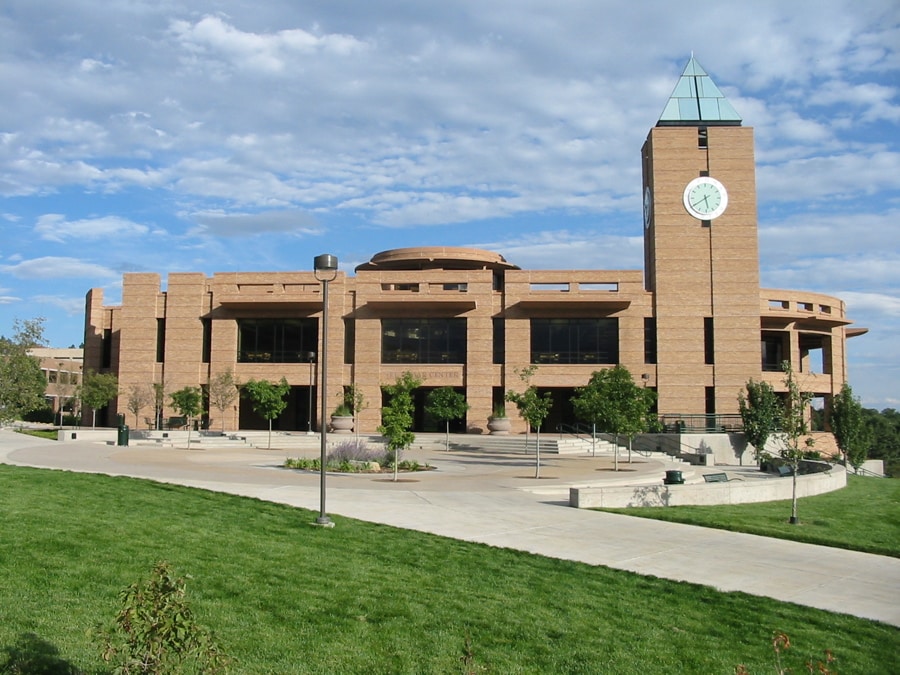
point(311, 359)
point(325, 267)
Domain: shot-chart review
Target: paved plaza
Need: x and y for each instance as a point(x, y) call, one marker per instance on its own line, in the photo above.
point(493, 498)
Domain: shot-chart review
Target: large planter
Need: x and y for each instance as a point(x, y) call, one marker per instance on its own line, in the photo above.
point(341, 424)
point(499, 426)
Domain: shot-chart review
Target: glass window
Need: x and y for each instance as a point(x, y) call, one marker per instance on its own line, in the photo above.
point(575, 341)
point(649, 339)
point(499, 340)
point(423, 340)
point(276, 340)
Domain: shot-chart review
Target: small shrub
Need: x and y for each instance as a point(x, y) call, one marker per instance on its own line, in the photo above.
point(155, 632)
point(353, 451)
point(42, 415)
point(781, 643)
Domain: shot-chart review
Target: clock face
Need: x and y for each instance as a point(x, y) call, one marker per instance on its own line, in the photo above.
point(648, 207)
point(705, 198)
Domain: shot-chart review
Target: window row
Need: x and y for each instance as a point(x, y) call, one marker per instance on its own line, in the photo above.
point(437, 340)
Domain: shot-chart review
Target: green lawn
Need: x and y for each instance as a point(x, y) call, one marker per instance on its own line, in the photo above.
point(285, 597)
point(49, 434)
point(864, 516)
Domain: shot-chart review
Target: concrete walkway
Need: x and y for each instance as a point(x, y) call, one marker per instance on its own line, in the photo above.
point(494, 499)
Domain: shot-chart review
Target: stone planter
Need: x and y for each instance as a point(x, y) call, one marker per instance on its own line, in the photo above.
point(341, 424)
point(499, 426)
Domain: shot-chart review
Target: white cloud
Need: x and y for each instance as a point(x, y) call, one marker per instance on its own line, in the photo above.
point(53, 267)
point(250, 224)
point(873, 303)
point(71, 306)
point(212, 38)
point(55, 227)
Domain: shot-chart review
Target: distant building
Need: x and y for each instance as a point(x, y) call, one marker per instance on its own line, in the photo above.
point(63, 370)
point(695, 326)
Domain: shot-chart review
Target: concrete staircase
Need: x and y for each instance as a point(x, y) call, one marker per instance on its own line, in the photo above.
point(300, 442)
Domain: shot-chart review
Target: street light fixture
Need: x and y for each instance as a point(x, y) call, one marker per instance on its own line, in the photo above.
point(326, 267)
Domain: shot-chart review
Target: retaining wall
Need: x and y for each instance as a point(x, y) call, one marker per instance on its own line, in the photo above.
point(732, 492)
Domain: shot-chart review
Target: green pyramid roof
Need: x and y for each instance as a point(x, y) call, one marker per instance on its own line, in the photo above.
point(696, 100)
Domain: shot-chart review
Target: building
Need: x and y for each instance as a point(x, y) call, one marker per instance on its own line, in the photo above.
point(63, 369)
point(695, 325)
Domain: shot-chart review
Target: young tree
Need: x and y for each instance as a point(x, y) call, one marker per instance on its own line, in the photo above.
point(139, 396)
point(159, 402)
point(760, 415)
point(356, 401)
point(848, 427)
point(614, 404)
point(268, 399)
point(445, 404)
point(188, 401)
point(794, 426)
point(533, 408)
point(97, 390)
point(223, 392)
point(397, 415)
point(22, 384)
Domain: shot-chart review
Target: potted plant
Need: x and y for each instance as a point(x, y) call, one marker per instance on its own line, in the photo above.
point(342, 419)
point(498, 422)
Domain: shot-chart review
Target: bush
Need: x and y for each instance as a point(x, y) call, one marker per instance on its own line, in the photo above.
point(353, 451)
point(155, 632)
point(42, 415)
point(354, 457)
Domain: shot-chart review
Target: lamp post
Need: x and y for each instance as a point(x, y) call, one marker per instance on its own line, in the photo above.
point(325, 267)
point(311, 359)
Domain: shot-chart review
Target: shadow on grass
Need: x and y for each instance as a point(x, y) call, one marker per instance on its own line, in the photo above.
point(32, 655)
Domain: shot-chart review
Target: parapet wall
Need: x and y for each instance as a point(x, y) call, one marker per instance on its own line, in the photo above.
point(732, 492)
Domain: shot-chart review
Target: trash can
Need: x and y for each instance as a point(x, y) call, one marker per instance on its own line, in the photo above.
point(673, 478)
point(122, 434)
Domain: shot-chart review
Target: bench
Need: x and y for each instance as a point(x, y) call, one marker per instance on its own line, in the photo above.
point(176, 422)
point(715, 477)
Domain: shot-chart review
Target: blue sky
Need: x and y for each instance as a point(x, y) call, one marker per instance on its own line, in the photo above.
point(222, 135)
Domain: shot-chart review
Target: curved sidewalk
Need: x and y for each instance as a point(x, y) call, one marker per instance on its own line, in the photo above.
point(495, 499)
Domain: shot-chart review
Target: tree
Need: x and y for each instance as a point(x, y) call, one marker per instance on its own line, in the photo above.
point(139, 396)
point(159, 402)
point(760, 414)
point(268, 399)
point(353, 397)
point(188, 402)
point(97, 390)
point(533, 408)
point(445, 404)
point(223, 392)
point(22, 384)
point(614, 404)
point(397, 415)
point(848, 427)
point(884, 430)
point(794, 426)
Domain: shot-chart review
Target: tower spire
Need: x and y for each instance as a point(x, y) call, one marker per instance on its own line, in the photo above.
point(697, 101)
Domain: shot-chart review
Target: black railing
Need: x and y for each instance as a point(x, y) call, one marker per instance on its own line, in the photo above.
point(690, 423)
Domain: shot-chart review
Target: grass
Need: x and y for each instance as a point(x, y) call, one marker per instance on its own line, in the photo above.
point(285, 597)
point(49, 434)
point(864, 516)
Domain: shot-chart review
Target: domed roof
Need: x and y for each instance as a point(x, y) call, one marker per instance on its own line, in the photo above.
point(436, 258)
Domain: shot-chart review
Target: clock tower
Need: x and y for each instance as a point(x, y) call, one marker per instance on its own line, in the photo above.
point(700, 248)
